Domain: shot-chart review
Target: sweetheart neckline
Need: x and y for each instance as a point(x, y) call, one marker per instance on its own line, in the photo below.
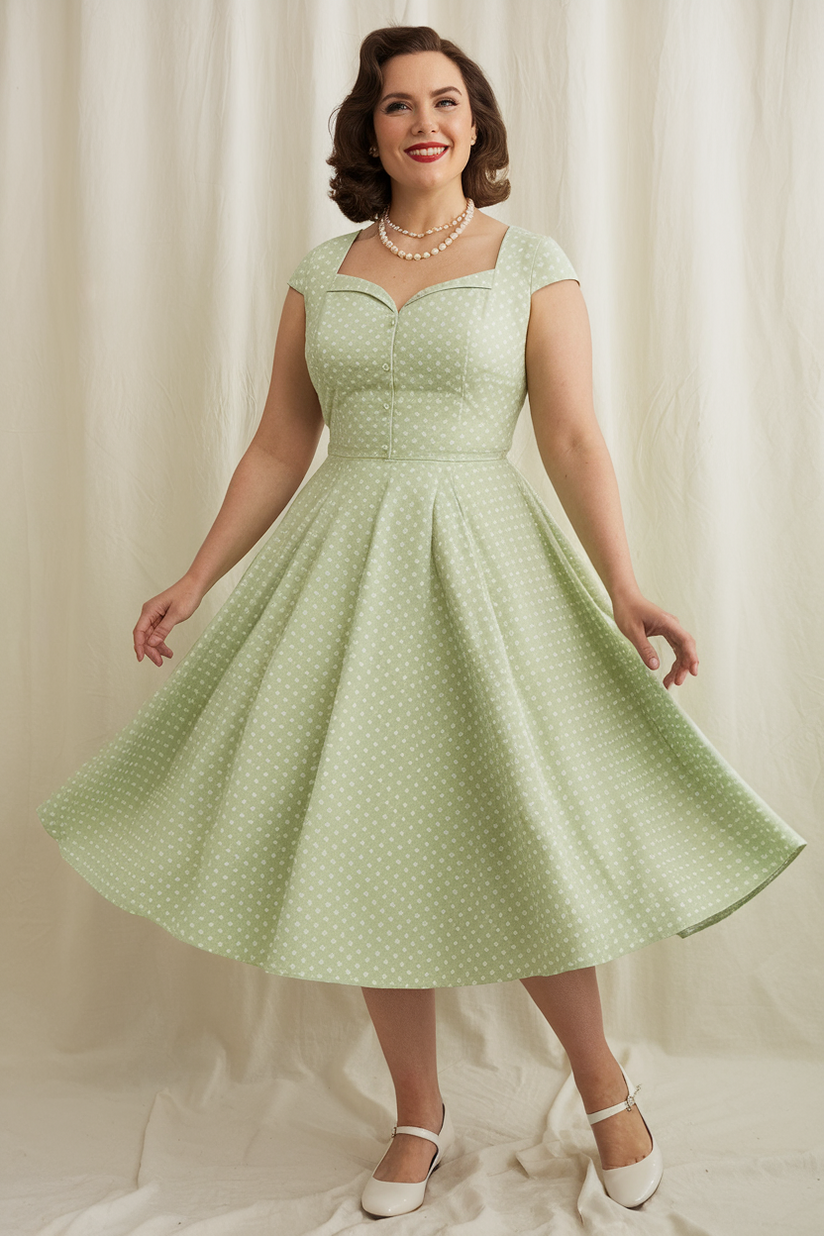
point(432, 287)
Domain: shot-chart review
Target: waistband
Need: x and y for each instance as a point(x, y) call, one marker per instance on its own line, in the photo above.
point(444, 456)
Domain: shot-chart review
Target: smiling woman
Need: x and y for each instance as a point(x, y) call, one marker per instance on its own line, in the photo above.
point(420, 745)
point(440, 119)
point(362, 184)
point(423, 122)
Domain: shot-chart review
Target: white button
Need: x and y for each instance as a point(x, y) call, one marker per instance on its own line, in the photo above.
point(386, 405)
point(384, 366)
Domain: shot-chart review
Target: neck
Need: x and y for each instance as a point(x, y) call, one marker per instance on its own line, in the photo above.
point(416, 212)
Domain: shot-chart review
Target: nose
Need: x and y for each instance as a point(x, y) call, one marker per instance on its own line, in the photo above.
point(426, 123)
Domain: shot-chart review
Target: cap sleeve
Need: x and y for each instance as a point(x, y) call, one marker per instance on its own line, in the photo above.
point(549, 264)
point(300, 276)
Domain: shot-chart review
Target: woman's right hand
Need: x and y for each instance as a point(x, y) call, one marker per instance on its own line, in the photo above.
point(160, 614)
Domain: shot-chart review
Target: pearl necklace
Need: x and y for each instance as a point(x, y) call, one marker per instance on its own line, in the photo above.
point(384, 219)
point(429, 231)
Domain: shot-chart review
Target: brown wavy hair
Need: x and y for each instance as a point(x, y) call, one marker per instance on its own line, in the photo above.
point(360, 186)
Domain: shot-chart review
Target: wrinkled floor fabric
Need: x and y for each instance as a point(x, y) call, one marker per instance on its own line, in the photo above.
point(208, 1155)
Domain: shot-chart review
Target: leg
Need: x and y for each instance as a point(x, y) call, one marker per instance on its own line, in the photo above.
point(571, 1004)
point(404, 1020)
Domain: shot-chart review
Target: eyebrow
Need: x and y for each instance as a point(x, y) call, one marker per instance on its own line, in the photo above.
point(400, 95)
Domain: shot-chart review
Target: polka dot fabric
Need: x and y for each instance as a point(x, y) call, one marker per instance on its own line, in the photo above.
point(412, 749)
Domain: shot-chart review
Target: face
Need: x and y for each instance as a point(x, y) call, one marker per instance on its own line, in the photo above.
point(423, 103)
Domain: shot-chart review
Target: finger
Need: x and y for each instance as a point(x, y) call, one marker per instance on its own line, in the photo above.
point(688, 657)
point(142, 645)
point(143, 629)
point(158, 635)
point(677, 674)
point(644, 648)
point(683, 645)
point(672, 674)
point(687, 663)
point(147, 645)
point(650, 656)
point(680, 640)
point(147, 620)
point(156, 652)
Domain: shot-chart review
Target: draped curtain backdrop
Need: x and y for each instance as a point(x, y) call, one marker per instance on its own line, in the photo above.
point(163, 172)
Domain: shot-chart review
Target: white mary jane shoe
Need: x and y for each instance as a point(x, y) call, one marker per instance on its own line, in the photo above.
point(633, 1184)
point(398, 1197)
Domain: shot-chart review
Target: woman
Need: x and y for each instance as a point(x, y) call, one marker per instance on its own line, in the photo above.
point(418, 746)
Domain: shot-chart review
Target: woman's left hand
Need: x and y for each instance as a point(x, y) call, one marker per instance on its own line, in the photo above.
point(638, 619)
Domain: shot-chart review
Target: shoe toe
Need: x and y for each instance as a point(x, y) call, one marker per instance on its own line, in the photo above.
point(391, 1197)
point(399, 1197)
point(632, 1185)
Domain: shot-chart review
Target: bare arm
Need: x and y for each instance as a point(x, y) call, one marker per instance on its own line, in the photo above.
point(267, 477)
point(276, 460)
point(576, 459)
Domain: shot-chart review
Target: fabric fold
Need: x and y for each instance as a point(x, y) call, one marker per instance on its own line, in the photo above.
point(412, 749)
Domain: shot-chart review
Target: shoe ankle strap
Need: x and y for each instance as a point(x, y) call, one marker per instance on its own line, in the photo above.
point(625, 1106)
point(421, 1132)
point(412, 1128)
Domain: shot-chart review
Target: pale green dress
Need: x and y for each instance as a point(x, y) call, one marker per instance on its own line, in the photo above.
point(412, 749)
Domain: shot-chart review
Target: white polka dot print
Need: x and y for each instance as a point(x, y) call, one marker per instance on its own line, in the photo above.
point(413, 749)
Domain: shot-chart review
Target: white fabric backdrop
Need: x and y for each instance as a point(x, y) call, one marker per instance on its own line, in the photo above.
point(163, 173)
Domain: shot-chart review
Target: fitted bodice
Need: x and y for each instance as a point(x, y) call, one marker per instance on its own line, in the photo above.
point(444, 376)
point(413, 749)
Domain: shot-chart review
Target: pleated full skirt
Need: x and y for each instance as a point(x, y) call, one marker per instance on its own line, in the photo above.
point(412, 749)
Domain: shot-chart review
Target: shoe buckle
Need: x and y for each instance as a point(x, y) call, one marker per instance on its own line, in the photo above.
point(394, 1131)
point(631, 1098)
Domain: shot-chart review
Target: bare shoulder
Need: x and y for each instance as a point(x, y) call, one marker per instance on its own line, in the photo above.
point(491, 227)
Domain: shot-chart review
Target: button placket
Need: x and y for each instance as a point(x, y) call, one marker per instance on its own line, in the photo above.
point(391, 367)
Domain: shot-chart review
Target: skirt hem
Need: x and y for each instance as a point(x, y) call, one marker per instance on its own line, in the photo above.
point(592, 959)
point(716, 918)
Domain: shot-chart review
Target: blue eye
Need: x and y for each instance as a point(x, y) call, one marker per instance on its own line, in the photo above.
point(392, 106)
